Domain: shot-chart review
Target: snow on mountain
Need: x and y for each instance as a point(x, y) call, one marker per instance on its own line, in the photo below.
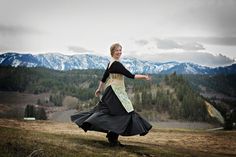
point(15, 59)
point(59, 61)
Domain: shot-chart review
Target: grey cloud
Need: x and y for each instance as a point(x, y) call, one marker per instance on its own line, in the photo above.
point(212, 17)
point(201, 58)
point(167, 44)
point(78, 49)
point(192, 46)
point(230, 41)
point(219, 16)
point(6, 30)
point(171, 44)
point(209, 59)
point(141, 42)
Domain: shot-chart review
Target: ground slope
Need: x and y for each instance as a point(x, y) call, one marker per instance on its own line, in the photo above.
point(47, 138)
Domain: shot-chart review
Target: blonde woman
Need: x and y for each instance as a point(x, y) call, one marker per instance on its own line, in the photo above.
point(114, 114)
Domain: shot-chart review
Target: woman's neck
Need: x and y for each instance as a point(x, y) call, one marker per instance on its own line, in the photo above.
point(115, 59)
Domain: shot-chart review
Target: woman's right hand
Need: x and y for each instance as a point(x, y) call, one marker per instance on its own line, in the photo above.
point(97, 92)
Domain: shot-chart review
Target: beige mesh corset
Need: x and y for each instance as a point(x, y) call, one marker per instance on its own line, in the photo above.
point(116, 81)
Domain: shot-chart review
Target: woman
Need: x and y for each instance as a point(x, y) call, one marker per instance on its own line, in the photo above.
point(114, 114)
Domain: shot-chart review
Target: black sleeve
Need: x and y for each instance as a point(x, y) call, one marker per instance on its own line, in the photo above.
point(117, 67)
point(105, 75)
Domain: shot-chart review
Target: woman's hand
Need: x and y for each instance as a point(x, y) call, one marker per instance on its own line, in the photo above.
point(97, 92)
point(148, 77)
point(100, 88)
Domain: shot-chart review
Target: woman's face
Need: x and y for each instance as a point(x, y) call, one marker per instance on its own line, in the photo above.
point(117, 53)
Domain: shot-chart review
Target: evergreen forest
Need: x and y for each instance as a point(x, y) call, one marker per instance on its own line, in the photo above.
point(176, 96)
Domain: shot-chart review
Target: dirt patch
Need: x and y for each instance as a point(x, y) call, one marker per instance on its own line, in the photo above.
point(62, 116)
point(184, 125)
point(4, 108)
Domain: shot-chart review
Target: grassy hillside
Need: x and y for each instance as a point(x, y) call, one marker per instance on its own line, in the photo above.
point(49, 139)
point(42, 80)
point(224, 84)
point(220, 90)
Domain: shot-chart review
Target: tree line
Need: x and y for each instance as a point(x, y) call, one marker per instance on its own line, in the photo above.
point(171, 94)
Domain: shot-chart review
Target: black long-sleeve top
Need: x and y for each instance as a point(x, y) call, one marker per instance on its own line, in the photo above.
point(116, 67)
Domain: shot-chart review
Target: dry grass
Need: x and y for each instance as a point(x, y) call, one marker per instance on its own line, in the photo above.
point(66, 139)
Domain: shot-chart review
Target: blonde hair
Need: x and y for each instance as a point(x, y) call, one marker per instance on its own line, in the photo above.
point(113, 48)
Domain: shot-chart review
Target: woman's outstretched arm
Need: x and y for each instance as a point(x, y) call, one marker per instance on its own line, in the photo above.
point(142, 77)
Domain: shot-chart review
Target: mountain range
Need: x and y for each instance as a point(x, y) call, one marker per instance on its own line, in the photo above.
point(59, 61)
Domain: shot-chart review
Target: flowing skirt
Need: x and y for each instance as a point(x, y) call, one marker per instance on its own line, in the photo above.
point(110, 115)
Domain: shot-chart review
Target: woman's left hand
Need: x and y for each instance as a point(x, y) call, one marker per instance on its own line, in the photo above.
point(148, 77)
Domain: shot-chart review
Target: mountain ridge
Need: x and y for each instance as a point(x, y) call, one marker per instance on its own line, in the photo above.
point(59, 61)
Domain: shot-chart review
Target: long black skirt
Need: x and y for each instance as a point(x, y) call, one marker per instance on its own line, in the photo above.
point(110, 115)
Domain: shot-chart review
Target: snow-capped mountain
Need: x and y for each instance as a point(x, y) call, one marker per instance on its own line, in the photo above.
point(58, 61)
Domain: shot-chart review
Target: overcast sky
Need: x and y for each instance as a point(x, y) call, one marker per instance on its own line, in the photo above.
point(199, 31)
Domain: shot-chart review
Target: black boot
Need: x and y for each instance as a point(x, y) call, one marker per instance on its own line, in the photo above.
point(113, 139)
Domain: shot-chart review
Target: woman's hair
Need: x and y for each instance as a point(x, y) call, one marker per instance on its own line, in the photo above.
point(113, 48)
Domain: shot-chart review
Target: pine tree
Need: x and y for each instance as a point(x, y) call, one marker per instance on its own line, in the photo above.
point(30, 111)
point(41, 114)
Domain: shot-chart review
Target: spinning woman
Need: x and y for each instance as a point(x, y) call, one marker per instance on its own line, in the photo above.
point(114, 114)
